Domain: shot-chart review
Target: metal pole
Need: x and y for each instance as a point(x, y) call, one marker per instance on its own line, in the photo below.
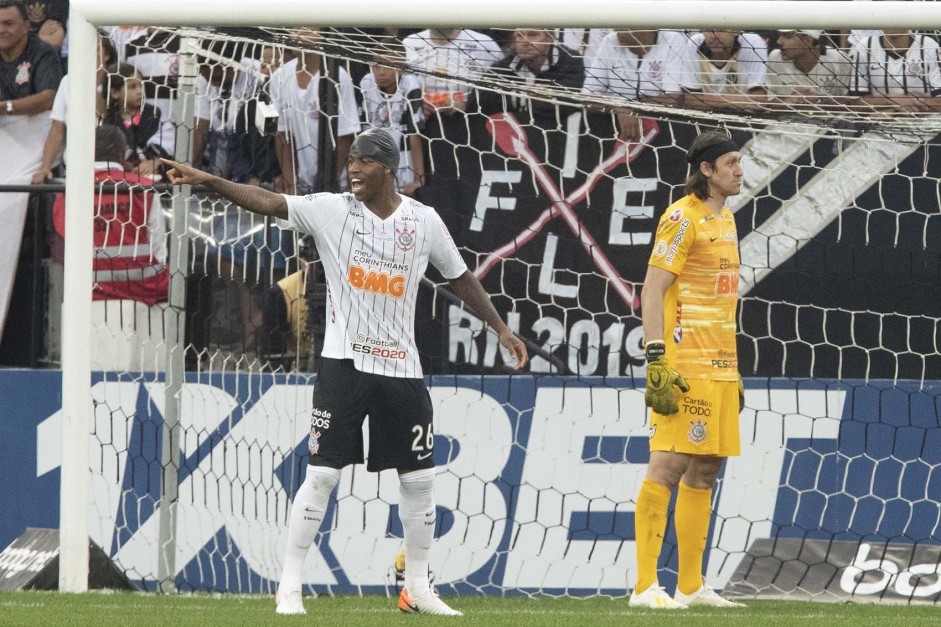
point(184, 119)
point(76, 310)
point(38, 206)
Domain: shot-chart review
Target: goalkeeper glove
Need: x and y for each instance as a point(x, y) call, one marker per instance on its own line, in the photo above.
point(741, 394)
point(661, 379)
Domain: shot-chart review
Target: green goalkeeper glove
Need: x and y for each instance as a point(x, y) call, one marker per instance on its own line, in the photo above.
point(741, 394)
point(661, 379)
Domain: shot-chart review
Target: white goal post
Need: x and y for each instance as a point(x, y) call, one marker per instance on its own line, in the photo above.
point(86, 14)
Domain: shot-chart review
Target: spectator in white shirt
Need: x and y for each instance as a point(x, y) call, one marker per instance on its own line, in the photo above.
point(803, 68)
point(392, 101)
point(54, 146)
point(442, 55)
point(641, 65)
point(294, 90)
point(730, 61)
point(899, 70)
point(121, 36)
point(584, 41)
point(730, 69)
point(224, 86)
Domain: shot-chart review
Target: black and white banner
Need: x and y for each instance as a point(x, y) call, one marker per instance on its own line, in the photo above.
point(558, 220)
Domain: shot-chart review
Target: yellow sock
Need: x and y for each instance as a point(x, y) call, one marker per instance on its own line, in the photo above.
point(692, 517)
point(650, 521)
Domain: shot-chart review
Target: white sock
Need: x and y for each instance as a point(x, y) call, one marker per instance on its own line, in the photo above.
point(417, 512)
point(310, 504)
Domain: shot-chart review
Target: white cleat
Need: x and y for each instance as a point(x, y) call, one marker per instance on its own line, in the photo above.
point(655, 598)
point(428, 603)
point(289, 603)
point(704, 597)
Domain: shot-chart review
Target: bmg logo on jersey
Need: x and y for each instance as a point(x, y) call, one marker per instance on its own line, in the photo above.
point(381, 283)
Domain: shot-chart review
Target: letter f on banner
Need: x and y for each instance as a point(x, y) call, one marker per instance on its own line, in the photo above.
point(511, 138)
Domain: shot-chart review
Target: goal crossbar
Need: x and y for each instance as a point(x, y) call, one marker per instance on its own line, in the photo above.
point(500, 13)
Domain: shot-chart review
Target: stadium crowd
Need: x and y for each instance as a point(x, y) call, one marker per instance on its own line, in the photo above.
point(260, 111)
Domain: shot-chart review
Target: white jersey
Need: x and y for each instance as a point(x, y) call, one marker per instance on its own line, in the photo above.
point(395, 114)
point(878, 73)
point(299, 115)
point(121, 35)
point(830, 77)
point(745, 70)
point(668, 67)
point(373, 270)
point(583, 41)
point(222, 108)
point(60, 106)
point(467, 55)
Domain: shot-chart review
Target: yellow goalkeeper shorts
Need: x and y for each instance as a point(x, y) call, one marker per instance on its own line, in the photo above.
point(707, 423)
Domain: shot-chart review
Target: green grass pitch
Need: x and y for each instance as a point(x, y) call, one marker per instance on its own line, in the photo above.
point(138, 609)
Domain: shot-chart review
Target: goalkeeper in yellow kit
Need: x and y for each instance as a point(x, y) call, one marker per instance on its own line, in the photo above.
point(689, 303)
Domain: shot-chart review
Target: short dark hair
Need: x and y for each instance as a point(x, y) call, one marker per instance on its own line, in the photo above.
point(390, 54)
point(104, 40)
point(697, 183)
point(16, 4)
point(110, 143)
point(118, 73)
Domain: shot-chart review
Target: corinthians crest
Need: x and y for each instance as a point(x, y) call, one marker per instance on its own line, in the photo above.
point(36, 12)
point(697, 431)
point(22, 73)
point(313, 442)
point(404, 238)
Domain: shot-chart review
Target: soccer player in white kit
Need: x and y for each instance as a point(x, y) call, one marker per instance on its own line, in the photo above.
point(375, 246)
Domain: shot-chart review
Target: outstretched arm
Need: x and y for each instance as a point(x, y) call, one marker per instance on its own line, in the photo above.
point(254, 199)
point(469, 290)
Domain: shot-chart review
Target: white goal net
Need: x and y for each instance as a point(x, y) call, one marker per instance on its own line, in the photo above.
point(551, 180)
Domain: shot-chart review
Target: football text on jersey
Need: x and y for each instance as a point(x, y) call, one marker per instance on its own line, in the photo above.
point(377, 351)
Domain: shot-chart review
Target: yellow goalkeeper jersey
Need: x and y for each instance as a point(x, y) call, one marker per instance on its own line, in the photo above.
point(701, 249)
